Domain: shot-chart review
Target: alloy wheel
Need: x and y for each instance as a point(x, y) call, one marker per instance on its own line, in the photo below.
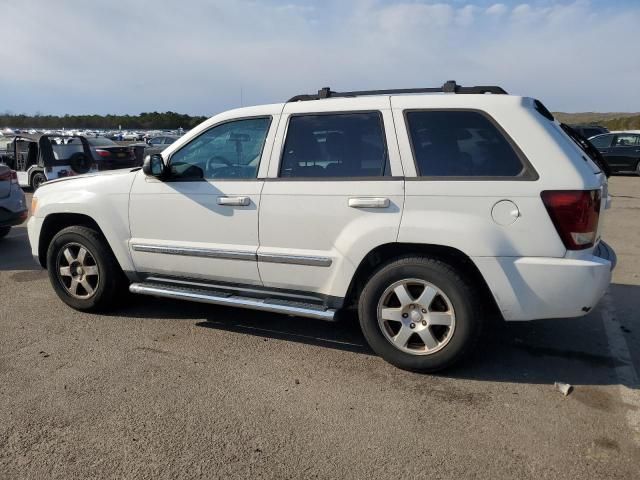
point(77, 270)
point(416, 317)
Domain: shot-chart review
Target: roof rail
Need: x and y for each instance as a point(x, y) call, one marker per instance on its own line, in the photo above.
point(449, 87)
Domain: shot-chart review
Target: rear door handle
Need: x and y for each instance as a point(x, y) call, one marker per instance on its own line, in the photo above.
point(368, 202)
point(233, 201)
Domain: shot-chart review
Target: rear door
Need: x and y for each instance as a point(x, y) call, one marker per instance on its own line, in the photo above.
point(625, 151)
point(335, 191)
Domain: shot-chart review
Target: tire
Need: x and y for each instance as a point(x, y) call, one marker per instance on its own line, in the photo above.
point(638, 168)
point(441, 320)
point(79, 163)
point(37, 179)
point(105, 286)
point(4, 231)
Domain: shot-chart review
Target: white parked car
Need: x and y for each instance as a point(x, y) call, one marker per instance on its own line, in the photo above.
point(426, 212)
point(131, 136)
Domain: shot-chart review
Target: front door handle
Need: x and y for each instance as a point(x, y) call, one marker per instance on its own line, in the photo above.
point(233, 201)
point(368, 202)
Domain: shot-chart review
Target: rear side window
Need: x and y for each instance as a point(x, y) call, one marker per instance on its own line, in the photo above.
point(460, 144)
point(626, 141)
point(335, 145)
point(602, 141)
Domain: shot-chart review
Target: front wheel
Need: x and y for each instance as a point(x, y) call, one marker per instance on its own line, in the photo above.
point(83, 270)
point(420, 314)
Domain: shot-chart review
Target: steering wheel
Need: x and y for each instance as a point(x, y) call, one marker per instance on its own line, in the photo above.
point(216, 159)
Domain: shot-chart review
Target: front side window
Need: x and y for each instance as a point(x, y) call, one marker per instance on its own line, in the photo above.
point(602, 141)
point(460, 144)
point(156, 141)
point(230, 150)
point(335, 145)
point(626, 141)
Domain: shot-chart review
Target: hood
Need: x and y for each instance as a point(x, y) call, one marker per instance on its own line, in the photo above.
point(103, 173)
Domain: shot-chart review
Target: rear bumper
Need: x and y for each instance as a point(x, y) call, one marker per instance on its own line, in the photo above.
point(9, 218)
point(529, 288)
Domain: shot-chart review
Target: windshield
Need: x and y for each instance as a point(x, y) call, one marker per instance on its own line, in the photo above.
point(101, 142)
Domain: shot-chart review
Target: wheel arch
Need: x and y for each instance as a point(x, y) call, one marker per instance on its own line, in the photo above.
point(387, 252)
point(55, 222)
point(32, 171)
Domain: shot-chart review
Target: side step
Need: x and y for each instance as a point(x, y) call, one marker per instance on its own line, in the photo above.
point(285, 307)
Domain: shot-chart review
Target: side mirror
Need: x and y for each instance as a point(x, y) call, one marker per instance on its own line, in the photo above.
point(153, 166)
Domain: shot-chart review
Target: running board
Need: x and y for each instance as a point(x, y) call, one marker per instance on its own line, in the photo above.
point(285, 307)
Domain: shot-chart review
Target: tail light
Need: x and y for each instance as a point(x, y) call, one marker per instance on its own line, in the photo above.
point(575, 214)
point(10, 176)
point(103, 153)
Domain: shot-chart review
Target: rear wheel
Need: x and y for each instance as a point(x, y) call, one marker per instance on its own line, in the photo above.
point(83, 270)
point(638, 168)
point(4, 231)
point(420, 314)
point(38, 179)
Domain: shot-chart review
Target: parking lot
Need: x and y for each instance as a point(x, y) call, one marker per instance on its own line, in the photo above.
point(161, 389)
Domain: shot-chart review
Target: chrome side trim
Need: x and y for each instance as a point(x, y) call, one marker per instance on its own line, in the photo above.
point(295, 259)
point(251, 303)
point(234, 255)
point(195, 252)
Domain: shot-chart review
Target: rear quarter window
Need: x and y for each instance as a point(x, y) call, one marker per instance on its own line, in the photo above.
point(463, 144)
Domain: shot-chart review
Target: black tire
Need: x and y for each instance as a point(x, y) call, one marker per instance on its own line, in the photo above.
point(4, 231)
point(112, 284)
point(37, 179)
point(79, 163)
point(463, 297)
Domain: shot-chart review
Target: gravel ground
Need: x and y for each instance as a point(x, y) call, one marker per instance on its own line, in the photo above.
point(166, 389)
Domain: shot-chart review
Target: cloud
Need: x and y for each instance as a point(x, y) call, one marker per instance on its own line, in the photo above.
point(497, 9)
point(72, 56)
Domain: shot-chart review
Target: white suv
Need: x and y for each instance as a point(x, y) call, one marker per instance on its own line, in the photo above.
point(427, 212)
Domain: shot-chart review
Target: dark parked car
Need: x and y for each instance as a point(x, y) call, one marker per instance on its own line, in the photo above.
point(13, 207)
point(621, 150)
point(588, 131)
point(109, 155)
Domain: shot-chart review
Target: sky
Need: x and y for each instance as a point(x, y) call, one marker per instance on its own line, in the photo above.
point(205, 56)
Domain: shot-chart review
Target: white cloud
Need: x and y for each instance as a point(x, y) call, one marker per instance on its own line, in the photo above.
point(144, 55)
point(497, 9)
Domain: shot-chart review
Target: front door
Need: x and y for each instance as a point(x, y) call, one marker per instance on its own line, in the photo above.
point(202, 221)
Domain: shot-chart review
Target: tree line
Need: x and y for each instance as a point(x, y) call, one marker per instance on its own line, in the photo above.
point(144, 121)
point(624, 123)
